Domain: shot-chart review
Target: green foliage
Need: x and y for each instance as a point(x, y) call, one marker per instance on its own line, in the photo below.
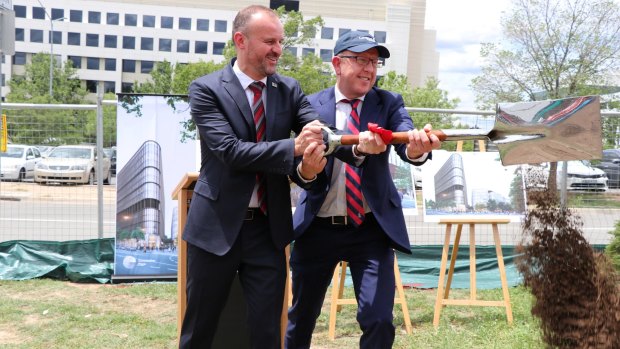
point(613, 249)
point(313, 75)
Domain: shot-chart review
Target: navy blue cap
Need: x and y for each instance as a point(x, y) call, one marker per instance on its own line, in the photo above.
point(357, 41)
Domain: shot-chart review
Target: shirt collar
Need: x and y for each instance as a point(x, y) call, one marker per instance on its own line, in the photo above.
point(340, 96)
point(243, 78)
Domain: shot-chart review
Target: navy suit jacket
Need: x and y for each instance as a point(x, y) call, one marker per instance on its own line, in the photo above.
point(387, 110)
point(230, 157)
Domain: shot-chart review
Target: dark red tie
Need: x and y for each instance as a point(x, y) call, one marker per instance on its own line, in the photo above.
point(258, 110)
point(355, 204)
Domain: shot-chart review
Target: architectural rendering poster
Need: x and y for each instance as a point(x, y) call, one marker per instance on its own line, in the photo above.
point(403, 175)
point(154, 151)
point(471, 185)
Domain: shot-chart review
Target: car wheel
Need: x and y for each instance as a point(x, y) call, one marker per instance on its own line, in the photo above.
point(22, 175)
point(91, 177)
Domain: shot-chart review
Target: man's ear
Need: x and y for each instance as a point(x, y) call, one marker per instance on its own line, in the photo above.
point(336, 64)
point(239, 40)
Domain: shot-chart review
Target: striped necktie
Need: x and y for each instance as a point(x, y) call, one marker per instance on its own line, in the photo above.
point(355, 204)
point(258, 110)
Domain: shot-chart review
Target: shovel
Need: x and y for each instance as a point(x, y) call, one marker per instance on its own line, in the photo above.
point(524, 132)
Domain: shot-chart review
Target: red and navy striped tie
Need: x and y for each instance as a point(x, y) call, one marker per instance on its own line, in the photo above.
point(258, 110)
point(355, 205)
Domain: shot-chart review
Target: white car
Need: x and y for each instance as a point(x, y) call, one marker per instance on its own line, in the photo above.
point(18, 162)
point(72, 164)
point(579, 176)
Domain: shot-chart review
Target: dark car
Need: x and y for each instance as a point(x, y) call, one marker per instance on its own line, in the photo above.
point(610, 164)
point(111, 153)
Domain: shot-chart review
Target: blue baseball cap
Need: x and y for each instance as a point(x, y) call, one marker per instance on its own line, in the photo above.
point(357, 41)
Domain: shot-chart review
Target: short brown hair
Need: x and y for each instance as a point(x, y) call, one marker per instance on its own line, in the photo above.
point(242, 18)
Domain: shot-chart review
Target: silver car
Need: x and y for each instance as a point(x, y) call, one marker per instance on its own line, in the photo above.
point(18, 162)
point(72, 164)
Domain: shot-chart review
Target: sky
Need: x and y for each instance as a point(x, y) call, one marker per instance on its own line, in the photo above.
point(461, 26)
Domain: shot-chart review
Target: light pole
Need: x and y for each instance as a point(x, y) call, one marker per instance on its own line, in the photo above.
point(51, 39)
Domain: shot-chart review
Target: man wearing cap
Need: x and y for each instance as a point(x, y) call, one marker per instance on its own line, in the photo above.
point(354, 213)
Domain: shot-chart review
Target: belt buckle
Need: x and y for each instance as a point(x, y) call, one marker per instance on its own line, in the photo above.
point(249, 215)
point(336, 220)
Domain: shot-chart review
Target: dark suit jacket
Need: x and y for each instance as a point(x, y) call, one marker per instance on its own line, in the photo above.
point(387, 110)
point(231, 157)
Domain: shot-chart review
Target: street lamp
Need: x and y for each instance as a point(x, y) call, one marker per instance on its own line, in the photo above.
point(51, 39)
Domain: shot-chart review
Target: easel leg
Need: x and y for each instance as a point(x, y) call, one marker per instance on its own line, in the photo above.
point(336, 294)
point(455, 252)
point(472, 261)
point(442, 274)
point(502, 273)
point(401, 297)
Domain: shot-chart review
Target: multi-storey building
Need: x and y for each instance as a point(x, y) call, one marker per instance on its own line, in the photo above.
point(116, 43)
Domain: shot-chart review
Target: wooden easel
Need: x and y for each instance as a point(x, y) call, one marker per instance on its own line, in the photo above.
point(337, 301)
point(444, 291)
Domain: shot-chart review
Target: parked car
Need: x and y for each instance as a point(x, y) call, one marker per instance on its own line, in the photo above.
point(610, 164)
point(111, 153)
point(18, 162)
point(72, 164)
point(580, 175)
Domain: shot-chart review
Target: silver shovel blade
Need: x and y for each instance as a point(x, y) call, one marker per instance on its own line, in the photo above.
point(551, 130)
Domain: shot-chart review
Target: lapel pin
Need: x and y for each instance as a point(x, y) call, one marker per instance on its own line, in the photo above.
point(274, 84)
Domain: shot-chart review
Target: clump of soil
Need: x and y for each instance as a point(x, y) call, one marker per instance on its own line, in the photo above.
point(576, 290)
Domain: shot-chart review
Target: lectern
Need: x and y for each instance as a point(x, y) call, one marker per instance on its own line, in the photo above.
point(232, 331)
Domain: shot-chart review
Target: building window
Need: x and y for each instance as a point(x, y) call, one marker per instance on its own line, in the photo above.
point(148, 21)
point(292, 50)
point(92, 63)
point(343, 31)
point(76, 61)
point(92, 40)
point(220, 26)
point(165, 45)
point(183, 46)
point(146, 44)
point(307, 51)
point(166, 22)
point(94, 17)
point(73, 39)
point(109, 86)
point(129, 66)
point(75, 16)
point(146, 67)
point(185, 23)
point(326, 55)
point(131, 20)
point(202, 24)
point(112, 18)
point(2, 81)
point(20, 11)
point(19, 34)
point(110, 41)
point(58, 13)
point(218, 48)
point(56, 37)
point(127, 87)
point(36, 35)
point(380, 36)
point(19, 58)
point(327, 33)
point(91, 86)
point(110, 64)
point(129, 42)
point(38, 13)
point(201, 47)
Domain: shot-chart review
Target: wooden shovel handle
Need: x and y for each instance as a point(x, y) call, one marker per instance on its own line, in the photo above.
point(397, 137)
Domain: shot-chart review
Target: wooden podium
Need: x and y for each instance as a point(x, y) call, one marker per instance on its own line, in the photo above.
point(232, 332)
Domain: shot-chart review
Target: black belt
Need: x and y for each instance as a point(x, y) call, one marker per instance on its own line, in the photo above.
point(253, 213)
point(339, 220)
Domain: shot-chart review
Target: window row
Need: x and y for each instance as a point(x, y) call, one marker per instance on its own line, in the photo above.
point(96, 63)
point(128, 42)
point(328, 33)
point(129, 19)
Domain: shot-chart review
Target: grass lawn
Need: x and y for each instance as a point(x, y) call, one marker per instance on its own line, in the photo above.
point(49, 314)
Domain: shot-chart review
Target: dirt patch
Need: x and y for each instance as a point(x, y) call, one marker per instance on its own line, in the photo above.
point(9, 336)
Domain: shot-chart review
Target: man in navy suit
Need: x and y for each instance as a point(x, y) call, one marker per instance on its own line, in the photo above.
point(328, 228)
point(239, 219)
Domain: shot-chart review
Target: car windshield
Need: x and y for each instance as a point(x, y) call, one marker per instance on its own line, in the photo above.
point(12, 152)
point(75, 153)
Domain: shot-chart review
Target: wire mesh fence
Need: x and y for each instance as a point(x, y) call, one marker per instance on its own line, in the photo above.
point(44, 196)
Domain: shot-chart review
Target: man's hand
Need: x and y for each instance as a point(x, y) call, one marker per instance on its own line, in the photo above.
point(421, 142)
point(313, 161)
point(370, 143)
point(309, 134)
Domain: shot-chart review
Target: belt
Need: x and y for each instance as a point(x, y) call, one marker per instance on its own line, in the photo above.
point(339, 220)
point(252, 213)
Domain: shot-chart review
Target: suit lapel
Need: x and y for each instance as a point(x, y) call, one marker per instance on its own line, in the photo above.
point(271, 88)
point(232, 85)
point(370, 110)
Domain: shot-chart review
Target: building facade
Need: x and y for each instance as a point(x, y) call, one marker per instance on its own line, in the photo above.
point(114, 44)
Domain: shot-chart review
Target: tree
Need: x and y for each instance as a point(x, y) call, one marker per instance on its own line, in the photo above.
point(554, 49)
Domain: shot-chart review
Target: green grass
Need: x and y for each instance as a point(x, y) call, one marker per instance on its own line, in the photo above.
point(48, 314)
